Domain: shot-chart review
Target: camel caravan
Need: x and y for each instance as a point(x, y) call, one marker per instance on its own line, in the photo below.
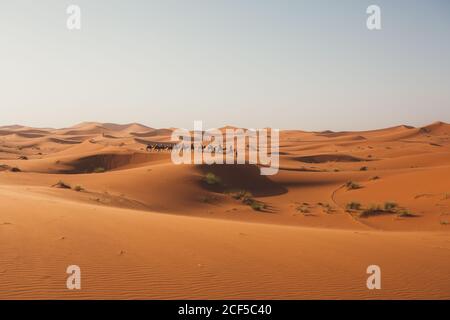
point(207, 147)
point(158, 147)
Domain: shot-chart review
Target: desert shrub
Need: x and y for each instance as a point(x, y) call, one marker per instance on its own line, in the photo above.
point(353, 206)
point(406, 214)
point(212, 179)
point(444, 223)
point(78, 188)
point(241, 194)
point(363, 168)
point(352, 185)
point(247, 198)
point(15, 169)
point(23, 158)
point(303, 209)
point(390, 206)
point(373, 210)
point(326, 206)
point(99, 170)
point(61, 184)
point(375, 178)
point(257, 206)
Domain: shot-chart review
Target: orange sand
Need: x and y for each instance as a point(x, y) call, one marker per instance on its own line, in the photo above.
point(147, 229)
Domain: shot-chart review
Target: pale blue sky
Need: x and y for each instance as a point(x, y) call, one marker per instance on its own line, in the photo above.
point(285, 64)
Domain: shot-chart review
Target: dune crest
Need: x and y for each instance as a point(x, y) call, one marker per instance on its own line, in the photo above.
point(340, 201)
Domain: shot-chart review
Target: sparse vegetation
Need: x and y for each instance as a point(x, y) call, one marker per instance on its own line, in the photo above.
point(240, 194)
point(406, 214)
point(257, 205)
point(444, 223)
point(62, 185)
point(303, 209)
point(23, 158)
point(373, 210)
point(375, 178)
point(15, 169)
point(247, 198)
point(78, 188)
point(212, 179)
point(352, 185)
point(208, 199)
point(99, 170)
point(363, 168)
point(353, 206)
point(390, 206)
point(326, 207)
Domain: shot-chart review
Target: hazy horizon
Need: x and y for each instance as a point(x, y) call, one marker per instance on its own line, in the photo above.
point(281, 64)
point(208, 127)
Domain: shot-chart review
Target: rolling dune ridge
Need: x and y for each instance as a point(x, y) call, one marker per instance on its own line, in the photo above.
point(141, 227)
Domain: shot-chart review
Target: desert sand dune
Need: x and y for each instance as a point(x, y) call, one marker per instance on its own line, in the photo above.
point(437, 128)
point(141, 227)
point(131, 127)
point(128, 254)
point(12, 127)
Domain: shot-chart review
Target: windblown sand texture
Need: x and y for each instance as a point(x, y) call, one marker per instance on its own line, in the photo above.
point(141, 227)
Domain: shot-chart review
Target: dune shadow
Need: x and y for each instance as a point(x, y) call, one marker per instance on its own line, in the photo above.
point(241, 177)
point(323, 158)
point(105, 162)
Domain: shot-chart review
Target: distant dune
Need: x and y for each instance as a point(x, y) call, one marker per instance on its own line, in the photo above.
point(141, 227)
